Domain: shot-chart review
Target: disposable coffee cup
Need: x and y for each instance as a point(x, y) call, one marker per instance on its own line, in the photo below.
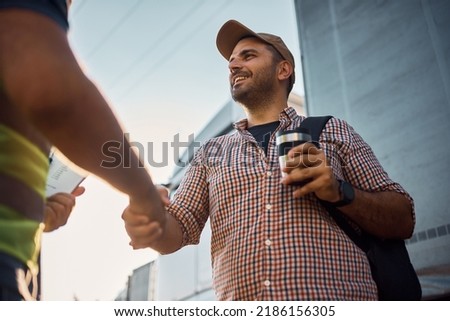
point(288, 139)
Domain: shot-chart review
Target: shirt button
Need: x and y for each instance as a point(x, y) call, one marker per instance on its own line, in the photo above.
point(268, 206)
point(268, 242)
point(267, 283)
point(269, 173)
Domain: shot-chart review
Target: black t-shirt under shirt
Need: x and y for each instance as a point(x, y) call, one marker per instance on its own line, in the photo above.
point(263, 132)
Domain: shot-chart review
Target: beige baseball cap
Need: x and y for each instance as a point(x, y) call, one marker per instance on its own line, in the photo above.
point(233, 31)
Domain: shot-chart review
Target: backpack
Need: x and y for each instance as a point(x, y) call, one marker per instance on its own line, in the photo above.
point(389, 260)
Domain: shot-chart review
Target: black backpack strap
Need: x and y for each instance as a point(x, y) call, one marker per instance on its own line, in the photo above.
point(315, 124)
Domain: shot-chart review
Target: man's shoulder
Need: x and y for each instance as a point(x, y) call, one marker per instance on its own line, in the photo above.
point(332, 123)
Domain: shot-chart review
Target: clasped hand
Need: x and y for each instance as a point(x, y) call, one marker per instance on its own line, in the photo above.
point(142, 223)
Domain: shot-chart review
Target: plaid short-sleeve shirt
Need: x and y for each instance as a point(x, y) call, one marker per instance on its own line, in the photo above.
point(266, 245)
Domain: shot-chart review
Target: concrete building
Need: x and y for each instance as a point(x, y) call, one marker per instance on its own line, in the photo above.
point(384, 66)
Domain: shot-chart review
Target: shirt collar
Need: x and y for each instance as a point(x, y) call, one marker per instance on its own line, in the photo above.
point(286, 117)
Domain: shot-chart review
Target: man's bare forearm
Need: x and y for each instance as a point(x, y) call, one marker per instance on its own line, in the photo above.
point(385, 214)
point(45, 86)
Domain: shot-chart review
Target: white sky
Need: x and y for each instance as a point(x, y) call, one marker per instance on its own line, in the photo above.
point(157, 64)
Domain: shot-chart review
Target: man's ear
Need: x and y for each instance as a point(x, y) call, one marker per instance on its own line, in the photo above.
point(284, 70)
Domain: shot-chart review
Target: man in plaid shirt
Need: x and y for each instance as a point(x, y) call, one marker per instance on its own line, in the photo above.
point(272, 240)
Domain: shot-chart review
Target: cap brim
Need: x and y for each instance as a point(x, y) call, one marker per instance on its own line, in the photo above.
point(230, 34)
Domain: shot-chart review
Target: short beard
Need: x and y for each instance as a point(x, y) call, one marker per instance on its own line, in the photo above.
point(252, 99)
point(259, 95)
